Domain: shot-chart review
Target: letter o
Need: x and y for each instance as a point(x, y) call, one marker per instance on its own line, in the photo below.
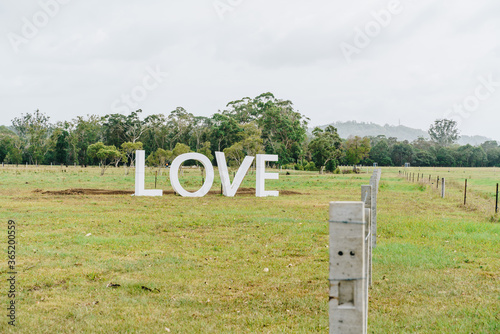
point(174, 174)
point(373, 29)
point(40, 19)
point(471, 103)
point(139, 93)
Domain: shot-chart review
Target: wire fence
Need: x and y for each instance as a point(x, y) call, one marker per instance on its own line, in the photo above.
point(460, 191)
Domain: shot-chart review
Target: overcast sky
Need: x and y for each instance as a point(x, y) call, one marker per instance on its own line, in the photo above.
point(373, 61)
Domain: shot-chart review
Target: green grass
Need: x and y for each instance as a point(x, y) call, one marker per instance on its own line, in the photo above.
point(196, 265)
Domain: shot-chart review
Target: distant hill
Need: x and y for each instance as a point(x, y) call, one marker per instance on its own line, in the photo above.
point(401, 132)
point(4, 130)
point(473, 140)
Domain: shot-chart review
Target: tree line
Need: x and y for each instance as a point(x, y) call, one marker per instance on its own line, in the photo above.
point(249, 126)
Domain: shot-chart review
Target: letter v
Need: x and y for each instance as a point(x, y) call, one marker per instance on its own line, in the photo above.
point(228, 189)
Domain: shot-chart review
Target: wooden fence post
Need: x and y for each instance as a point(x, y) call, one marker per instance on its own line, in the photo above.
point(443, 187)
point(465, 193)
point(496, 205)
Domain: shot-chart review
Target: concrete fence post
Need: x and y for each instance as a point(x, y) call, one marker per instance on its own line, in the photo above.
point(368, 264)
point(348, 297)
point(366, 197)
point(374, 182)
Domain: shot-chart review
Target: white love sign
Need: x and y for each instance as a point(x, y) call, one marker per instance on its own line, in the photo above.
point(228, 189)
point(174, 174)
point(139, 177)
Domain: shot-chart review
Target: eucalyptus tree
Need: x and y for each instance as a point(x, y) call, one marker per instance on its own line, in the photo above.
point(326, 146)
point(252, 141)
point(156, 134)
point(86, 131)
point(224, 132)
point(492, 152)
point(250, 144)
point(134, 126)
point(118, 128)
point(381, 153)
point(129, 150)
point(60, 149)
point(206, 151)
point(402, 153)
point(107, 155)
point(179, 123)
point(444, 132)
point(243, 110)
point(200, 131)
point(7, 139)
point(159, 158)
point(114, 129)
point(283, 128)
point(34, 130)
point(356, 149)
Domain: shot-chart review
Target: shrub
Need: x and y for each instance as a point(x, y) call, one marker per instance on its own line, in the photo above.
point(311, 166)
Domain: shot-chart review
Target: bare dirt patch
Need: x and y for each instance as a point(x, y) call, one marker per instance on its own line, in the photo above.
point(83, 191)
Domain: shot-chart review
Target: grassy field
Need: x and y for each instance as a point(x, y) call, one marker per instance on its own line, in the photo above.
point(481, 185)
point(244, 264)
